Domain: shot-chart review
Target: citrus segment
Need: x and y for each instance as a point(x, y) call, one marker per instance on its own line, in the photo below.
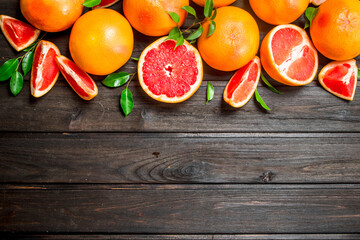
point(242, 85)
point(288, 55)
point(168, 74)
point(19, 34)
point(52, 15)
point(44, 71)
point(105, 3)
point(340, 78)
point(79, 80)
point(150, 17)
point(218, 3)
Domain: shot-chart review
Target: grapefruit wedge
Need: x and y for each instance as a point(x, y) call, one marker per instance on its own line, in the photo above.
point(169, 74)
point(77, 78)
point(288, 55)
point(45, 71)
point(105, 4)
point(19, 34)
point(340, 78)
point(242, 85)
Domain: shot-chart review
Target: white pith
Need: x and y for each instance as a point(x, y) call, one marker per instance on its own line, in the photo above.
point(163, 97)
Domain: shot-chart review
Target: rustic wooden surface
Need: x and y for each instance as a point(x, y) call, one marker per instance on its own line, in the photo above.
point(72, 169)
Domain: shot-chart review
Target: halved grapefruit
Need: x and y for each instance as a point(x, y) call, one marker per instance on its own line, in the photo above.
point(77, 78)
point(288, 55)
point(169, 74)
point(340, 78)
point(19, 34)
point(242, 85)
point(105, 4)
point(45, 71)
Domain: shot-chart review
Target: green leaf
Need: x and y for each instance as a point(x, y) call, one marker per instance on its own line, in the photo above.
point(174, 16)
point(91, 3)
point(116, 79)
point(260, 100)
point(127, 102)
point(269, 85)
point(135, 59)
point(210, 92)
point(16, 83)
point(307, 24)
point(310, 13)
point(359, 73)
point(209, 6)
point(8, 68)
point(212, 28)
point(214, 14)
point(190, 10)
point(27, 62)
point(174, 34)
point(196, 34)
point(179, 41)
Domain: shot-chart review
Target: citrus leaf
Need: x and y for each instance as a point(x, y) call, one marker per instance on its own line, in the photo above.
point(174, 16)
point(127, 102)
point(179, 41)
point(310, 13)
point(27, 62)
point(269, 85)
point(16, 83)
point(261, 101)
point(214, 14)
point(359, 73)
point(8, 68)
point(91, 3)
point(209, 6)
point(135, 59)
point(174, 34)
point(307, 24)
point(116, 79)
point(190, 10)
point(209, 92)
point(212, 28)
point(196, 34)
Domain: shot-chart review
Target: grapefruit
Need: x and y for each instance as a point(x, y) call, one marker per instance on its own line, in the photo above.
point(150, 17)
point(105, 4)
point(19, 34)
point(170, 75)
point(279, 11)
point(235, 41)
point(51, 15)
point(218, 3)
point(242, 85)
point(45, 71)
point(101, 41)
point(340, 78)
point(335, 30)
point(79, 80)
point(288, 55)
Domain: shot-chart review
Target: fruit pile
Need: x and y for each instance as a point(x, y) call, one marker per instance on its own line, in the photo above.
point(171, 69)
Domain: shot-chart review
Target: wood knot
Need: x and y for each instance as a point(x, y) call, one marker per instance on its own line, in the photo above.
point(156, 154)
point(267, 177)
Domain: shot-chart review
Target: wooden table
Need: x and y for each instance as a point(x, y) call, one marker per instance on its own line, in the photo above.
point(75, 169)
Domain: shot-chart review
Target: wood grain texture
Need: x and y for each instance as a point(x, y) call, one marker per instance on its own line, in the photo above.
point(188, 209)
point(179, 158)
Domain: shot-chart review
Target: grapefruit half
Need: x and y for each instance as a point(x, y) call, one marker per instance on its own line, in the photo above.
point(105, 4)
point(19, 34)
point(242, 85)
point(288, 55)
point(340, 78)
point(170, 75)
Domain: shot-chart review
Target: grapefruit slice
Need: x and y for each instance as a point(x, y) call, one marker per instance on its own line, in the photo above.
point(340, 78)
point(19, 34)
point(170, 75)
point(77, 78)
point(45, 71)
point(288, 55)
point(242, 85)
point(105, 4)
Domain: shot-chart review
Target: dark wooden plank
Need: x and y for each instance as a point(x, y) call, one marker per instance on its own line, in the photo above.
point(194, 237)
point(181, 209)
point(179, 158)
